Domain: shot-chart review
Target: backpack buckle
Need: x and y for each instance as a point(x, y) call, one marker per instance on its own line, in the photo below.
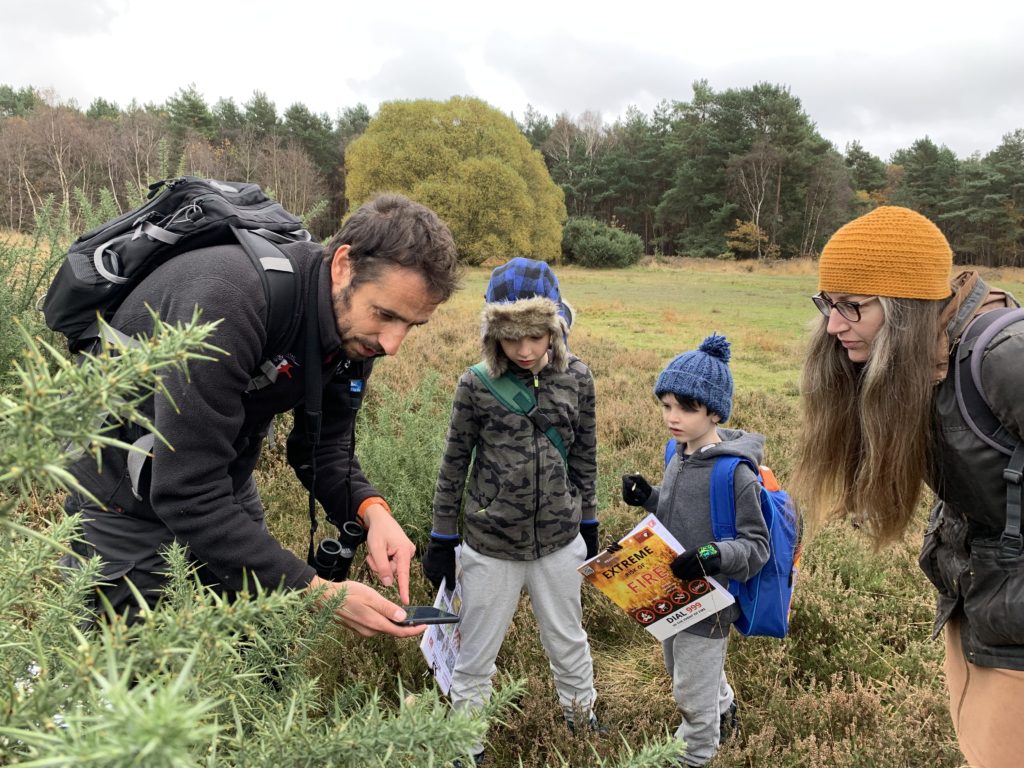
point(1014, 476)
point(147, 216)
point(1011, 544)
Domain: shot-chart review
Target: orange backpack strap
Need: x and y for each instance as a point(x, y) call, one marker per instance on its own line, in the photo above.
point(768, 479)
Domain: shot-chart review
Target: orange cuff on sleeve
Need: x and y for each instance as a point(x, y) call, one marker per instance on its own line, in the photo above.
point(367, 503)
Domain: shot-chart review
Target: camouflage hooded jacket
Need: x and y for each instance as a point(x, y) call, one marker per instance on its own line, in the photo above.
point(522, 501)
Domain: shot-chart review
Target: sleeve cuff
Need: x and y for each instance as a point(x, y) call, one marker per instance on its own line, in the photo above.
point(366, 504)
point(444, 536)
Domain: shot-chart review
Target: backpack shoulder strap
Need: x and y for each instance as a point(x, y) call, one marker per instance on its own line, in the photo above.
point(510, 391)
point(1012, 539)
point(723, 497)
point(277, 273)
point(723, 494)
point(670, 450)
point(977, 412)
point(282, 289)
point(970, 394)
point(515, 396)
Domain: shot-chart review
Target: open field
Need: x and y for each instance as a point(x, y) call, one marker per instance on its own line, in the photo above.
point(858, 682)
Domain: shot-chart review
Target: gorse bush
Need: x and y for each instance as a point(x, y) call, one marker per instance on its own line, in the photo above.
point(266, 679)
point(199, 680)
point(93, 214)
point(56, 405)
point(401, 439)
point(590, 243)
point(27, 263)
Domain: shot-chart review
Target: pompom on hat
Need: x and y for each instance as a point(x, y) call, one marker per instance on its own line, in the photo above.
point(891, 251)
point(702, 375)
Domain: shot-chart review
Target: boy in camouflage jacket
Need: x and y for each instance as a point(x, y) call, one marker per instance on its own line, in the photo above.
point(529, 516)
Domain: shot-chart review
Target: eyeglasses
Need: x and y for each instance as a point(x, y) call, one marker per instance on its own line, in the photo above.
point(848, 310)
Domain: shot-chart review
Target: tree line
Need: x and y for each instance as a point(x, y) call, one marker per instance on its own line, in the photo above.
point(52, 149)
point(741, 172)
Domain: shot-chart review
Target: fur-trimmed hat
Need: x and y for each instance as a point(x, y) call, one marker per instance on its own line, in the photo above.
point(702, 375)
point(521, 278)
point(533, 316)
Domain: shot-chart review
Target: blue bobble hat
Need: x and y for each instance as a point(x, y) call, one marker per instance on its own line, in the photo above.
point(522, 278)
point(702, 375)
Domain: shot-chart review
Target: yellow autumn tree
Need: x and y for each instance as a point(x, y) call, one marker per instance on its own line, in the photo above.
point(470, 163)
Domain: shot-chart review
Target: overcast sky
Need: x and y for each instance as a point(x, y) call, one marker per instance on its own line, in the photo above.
point(883, 73)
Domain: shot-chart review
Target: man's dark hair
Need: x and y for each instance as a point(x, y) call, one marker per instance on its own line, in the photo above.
point(390, 230)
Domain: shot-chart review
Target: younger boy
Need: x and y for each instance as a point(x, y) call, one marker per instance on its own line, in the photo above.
point(529, 516)
point(695, 392)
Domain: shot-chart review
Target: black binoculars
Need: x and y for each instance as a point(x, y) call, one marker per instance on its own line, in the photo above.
point(333, 557)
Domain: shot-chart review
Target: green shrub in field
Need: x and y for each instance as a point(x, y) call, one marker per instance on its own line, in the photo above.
point(93, 214)
point(198, 682)
point(589, 243)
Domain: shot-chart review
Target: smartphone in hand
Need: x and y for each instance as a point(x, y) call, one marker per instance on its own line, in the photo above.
point(426, 614)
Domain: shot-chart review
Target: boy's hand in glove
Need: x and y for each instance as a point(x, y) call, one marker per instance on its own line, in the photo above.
point(697, 563)
point(635, 490)
point(439, 561)
point(588, 530)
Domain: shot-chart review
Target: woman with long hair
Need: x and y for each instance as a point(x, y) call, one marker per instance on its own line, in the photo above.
point(881, 418)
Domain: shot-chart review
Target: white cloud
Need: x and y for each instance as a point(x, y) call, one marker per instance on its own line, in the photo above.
point(58, 18)
point(883, 73)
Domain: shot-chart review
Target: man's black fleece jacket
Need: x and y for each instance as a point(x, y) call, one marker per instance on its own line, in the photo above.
point(215, 428)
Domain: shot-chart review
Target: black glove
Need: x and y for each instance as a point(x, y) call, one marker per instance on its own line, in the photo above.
point(635, 490)
point(697, 563)
point(588, 530)
point(439, 561)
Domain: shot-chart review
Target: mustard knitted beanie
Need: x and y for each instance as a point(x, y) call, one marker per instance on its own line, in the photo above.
point(891, 251)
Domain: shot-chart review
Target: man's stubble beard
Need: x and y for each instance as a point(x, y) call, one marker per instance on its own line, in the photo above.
point(349, 341)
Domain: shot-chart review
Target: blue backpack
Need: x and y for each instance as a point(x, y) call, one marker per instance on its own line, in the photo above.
point(764, 599)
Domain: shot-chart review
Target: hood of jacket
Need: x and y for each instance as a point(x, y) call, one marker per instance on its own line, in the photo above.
point(735, 442)
point(971, 296)
point(534, 316)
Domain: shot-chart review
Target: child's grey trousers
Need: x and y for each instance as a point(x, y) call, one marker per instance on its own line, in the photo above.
point(490, 595)
point(703, 695)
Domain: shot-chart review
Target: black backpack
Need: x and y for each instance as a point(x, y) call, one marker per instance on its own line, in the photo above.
point(976, 411)
point(185, 214)
point(182, 214)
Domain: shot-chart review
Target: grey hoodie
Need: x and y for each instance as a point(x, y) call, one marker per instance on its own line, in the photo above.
point(683, 503)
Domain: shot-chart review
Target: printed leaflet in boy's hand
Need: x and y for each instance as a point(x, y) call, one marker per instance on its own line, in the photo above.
point(638, 579)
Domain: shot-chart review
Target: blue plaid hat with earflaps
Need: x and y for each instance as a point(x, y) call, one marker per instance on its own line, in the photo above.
point(702, 375)
point(522, 278)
